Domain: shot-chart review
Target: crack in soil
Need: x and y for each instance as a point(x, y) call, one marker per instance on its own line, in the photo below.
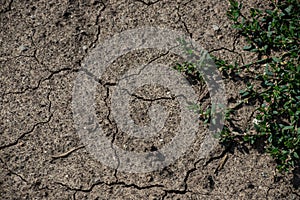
point(222, 155)
point(12, 172)
point(149, 3)
point(115, 133)
point(26, 133)
point(97, 23)
point(52, 73)
point(230, 50)
point(183, 22)
point(86, 190)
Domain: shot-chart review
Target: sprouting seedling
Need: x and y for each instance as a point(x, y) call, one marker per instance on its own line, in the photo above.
point(204, 114)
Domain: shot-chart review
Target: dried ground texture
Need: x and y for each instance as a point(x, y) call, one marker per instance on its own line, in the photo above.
point(42, 47)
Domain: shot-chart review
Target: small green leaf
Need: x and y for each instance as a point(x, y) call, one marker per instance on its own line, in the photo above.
point(287, 128)
point(275, 59)
point(289, 9)
point(247, 48)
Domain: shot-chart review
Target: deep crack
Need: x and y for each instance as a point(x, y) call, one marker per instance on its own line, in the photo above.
point(97, 23)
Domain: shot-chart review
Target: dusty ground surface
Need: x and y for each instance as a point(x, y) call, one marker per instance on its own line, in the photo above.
point(43, 45)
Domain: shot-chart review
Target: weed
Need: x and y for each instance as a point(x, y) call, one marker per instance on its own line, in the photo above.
point(274, 35)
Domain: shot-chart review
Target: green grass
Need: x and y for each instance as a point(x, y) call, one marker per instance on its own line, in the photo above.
point(275, 88)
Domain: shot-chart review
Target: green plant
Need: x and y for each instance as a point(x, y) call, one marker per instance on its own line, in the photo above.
point(190, 71)
point(204, 114)
point(274, 36)
point(194, 77)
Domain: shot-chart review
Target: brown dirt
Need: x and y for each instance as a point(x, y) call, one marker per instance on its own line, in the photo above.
point(43, 45)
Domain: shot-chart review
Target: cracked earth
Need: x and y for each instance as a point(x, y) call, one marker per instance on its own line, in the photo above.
point(43, 45)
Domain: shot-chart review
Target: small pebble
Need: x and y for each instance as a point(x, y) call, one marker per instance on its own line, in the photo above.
point(215, 27)
point(23, 48)
point(220, 37)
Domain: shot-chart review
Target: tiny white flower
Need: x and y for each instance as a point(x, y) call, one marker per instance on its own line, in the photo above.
point(255, 121)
